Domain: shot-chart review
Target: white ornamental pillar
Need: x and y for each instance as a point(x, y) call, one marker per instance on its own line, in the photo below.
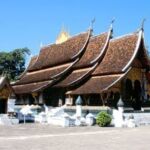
point(118, 115)
point(78, 111)
point(79, 106)
point(11, 104)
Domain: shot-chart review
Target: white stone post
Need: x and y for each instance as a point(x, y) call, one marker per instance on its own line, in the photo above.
point(78, 111)
point(79, 106)
point(118, 115)
point(65, 121)
point(89, 119)
point(11, 105)
point(60, 102)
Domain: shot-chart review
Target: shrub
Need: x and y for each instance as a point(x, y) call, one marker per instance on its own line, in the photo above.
point(103, 119)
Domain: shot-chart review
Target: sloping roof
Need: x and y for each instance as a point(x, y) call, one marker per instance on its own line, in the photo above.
point(74, 77)
point(119, 53)
point(99, 60)
point(45, 67)
point(57, 54)
point(31, 63)
point(85, 66)
point(120, 56)
point(31, 87)
point(5, 82)
point(94, 49)
point(97, 84)
point(2, 82)
point(43, 74)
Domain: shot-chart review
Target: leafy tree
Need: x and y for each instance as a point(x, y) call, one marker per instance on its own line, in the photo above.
point(12, 63)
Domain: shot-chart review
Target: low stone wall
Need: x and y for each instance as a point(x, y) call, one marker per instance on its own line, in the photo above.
point(71, 110)
point(141, 118)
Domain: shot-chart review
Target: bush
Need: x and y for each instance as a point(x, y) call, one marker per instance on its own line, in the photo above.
point(103, 119)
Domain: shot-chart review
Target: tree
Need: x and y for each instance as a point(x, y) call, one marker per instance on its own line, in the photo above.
point(12, 64)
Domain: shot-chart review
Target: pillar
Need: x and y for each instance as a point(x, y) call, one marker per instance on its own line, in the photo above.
point(69, 100)
point(78, 111)
point(79, 106)
point(144, 84)
point(41, 101)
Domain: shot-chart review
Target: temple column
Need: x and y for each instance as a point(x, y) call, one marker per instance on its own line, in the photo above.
point(21, 100)
point(27, 100)
point(60, 102)
point(144, 84)
point(123, 91)
point(69, 100)
point(40, 97)
point(102, 99)
point(35, 95)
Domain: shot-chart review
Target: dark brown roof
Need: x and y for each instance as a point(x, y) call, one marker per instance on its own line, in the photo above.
point(136, 63)
point(118, 55)
point(42, 75)
point(31, 63)
point(148, 76)
point(75, 75)
point(56, 54)
point(4, 82)
point(84, 67)
point(28, 88)
point(113, 60)
point(143, 55)
point(93, 50)
point(97, 84)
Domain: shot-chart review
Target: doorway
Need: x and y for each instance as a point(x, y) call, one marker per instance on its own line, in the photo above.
point(137, 95)
point(3, 106)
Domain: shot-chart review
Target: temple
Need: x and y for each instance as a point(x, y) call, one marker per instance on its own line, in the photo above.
point(5, 92)
point(100, 68)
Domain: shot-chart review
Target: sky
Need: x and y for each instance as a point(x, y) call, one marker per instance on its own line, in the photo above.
point(30, 23)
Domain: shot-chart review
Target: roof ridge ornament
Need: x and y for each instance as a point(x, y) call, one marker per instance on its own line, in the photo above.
point(142, 24)
point(92, 22)
point(111, 27)
point(63, 36)
point(41, 45)
point(111, 23)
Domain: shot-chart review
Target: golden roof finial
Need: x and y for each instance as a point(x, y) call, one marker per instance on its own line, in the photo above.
point(62, 36)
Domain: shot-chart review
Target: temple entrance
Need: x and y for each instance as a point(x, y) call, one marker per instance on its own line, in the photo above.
point(128, 93)
point(137, 95)
point(52, 96)
point(3, 106)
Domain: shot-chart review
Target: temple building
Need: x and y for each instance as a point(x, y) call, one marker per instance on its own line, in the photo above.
point(5, 92)
point(100, 68)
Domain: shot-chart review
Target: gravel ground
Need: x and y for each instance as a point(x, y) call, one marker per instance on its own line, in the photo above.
point(46, 137)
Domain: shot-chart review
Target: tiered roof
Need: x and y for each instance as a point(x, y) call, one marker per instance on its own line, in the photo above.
point(4, 82)
point(84, 63)
point(120, 56)
point(53, 62)
point(57, 54)
point(94, 53)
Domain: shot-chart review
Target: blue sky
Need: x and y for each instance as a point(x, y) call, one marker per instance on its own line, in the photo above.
point(27, 23)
